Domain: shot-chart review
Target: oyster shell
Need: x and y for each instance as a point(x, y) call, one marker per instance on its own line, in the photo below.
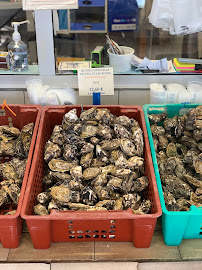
point(52, 151)
point(71, 116)
point(70, 151)
point(171, 150)
point(52, 205)
point(192, 181)
point(59, 165)
point(170, 123)
point(121, 131)
point(170, 201)
point(87, 148)
point(198, 164)
point(101, 180)
point(89, 131)
point(108, 204)
point(13, 212)
point(115, 183)
point(40, 210)
point(118, 204)
point(157, 130)
point(102, 192)
point(144, 208)
point(76, 173)
point(132, 201)
point(15, 132)
point(26, 137)
point(101, 154)
point(110, 145)
point(128, 147)
point(86, 160)
point(138, 140)
point(140, 184)
point(198, 191)
point(199, 117)
point(89, 196)
point(163, 142)
point(78, 206)
point(43, 197)
point(7, 148)
point(157, 118)
point(190, 122)
point(88, 114)
point(94, 208)
point(13, 191)
point(105, 132)
point(91, 173)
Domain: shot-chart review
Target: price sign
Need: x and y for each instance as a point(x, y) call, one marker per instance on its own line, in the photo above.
point(96, 80)
point(49, 4)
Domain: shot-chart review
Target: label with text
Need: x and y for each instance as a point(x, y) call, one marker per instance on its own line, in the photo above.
point(96, 80)
point(49, 4)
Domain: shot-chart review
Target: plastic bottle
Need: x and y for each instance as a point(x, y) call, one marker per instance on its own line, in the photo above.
point(158, 94)
point(17, 50)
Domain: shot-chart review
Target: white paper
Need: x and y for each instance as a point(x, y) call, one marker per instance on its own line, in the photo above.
point(74, 65)
point(96, 80)
point(49, 4)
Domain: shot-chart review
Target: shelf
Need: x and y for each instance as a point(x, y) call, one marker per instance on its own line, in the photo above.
point(9, 5)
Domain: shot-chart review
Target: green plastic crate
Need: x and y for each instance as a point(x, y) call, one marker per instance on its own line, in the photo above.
point(176, 225)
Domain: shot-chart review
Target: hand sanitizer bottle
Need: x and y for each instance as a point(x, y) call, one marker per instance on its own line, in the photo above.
point(17, 50)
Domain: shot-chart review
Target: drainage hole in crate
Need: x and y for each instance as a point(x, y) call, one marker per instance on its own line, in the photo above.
point(70, 227)
point(111, 236)
point(111, 231)
point(71, 236)
point(96, 231)
point(112, 226)
point(70, 222)
point(80, 236)
point(71, 232)
point(88, 236)
point(79, 231)
point(95, 236)
point(113, 221)
point(103, 236)
point(88, 231)
point(104, 231)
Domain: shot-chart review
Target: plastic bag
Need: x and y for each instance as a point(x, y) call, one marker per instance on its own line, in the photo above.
point(179, 17)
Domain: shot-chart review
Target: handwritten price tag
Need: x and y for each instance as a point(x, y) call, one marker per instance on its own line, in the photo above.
point(96, 80)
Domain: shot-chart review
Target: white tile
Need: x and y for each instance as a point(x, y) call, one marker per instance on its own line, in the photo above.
point(170, 266)
point(25, 266)
point(133, 97)
point(105, 100)
point(3, 253)
point(12, 97)
point(93, 266)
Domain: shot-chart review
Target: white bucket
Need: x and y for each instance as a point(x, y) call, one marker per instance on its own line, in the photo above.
point(121, 62)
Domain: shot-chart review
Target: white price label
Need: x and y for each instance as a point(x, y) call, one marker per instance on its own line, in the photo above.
point(49, 4)
point(98, 80)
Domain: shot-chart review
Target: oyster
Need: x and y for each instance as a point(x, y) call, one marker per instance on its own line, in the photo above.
point(138, 140)
point(140, 184)
point(137, 163)
point(157, 118)
point(101, 180)
point(171, 150)
point(94, 208)
point(163, 142)
point(76, 173)
point(190, 122)
point(52, 205)
point(52, 151)
point(105, 132)
point(91, 173)
point(4, 199)
point(70, 151)
point(88, 114)
point(71, 116)
point(94, 140)
point(10, 173)
point(198, 164)
point(96, 162)
point(110, 145)
point(198, 191)
point(102, 192)
point(19, 166)
point(87, 148)
point(144, 208)
point(26, 137)
point(12, 212)
point(179, 130)
point(101, 154)
point(183, 204)
point(78, 206)
point(108, 204)
point(115, 183)
point(128, 147)
point(89, 131)
point(43, 197)
point(62, 195)
point(59, 165)
point(156, 143)
point(170, 201)
point(131, 201)
point(121, 172)
point(89, 196)
point(86, 160)
point(40, 210)
point(195, 198)
point(197, 134)
point(157, 130)
point(170, 123)
point(13, 192)
point(115, 155)
point(14, 132)
point(199, 117)
point(192, 181)
point(108, 169)
point(121, 131)
point(118, 204)
point(7, 148)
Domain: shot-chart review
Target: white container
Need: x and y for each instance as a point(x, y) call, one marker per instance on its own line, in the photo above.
point(172, 92)
point(158, 94)
point(121, 62)
point(195, 91)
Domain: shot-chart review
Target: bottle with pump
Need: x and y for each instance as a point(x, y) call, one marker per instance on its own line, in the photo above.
point(17, 50)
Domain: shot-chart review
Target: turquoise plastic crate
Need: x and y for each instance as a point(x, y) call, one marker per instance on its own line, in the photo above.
point(176, 225)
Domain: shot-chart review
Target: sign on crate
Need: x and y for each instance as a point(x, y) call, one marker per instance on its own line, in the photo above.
point(49, 4)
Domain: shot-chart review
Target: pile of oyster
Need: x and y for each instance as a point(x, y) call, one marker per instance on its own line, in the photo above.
point(178, 146)
point(13, 143)
point(95, 162)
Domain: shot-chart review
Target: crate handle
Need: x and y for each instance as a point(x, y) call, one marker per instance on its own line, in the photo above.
point(129, 110)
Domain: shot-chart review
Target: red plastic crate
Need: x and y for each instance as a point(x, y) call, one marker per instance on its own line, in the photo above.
point(11, 225)
point(77, 226)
